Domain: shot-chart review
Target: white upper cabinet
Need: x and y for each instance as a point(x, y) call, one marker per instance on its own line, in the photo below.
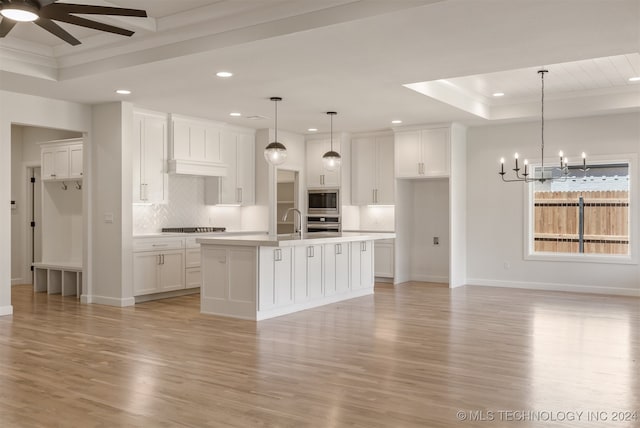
point(195, 147)
point(317, 175)
point(372, 175)
point(422, 153)
point(62, 160)
point(237, 187)
point(149, 156)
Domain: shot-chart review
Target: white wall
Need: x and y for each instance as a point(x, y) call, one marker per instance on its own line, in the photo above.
point(495, 217)
point(35, 111)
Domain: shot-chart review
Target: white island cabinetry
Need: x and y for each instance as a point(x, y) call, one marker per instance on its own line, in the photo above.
point(260, 277)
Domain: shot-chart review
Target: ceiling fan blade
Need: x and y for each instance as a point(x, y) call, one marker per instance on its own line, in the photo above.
point(5, 26)
point(56, 30)
point(44, 3)
point(83, 22)
point(95, 10)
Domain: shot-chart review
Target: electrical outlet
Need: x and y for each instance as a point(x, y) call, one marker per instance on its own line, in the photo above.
point(507, 265)
point(436, 240)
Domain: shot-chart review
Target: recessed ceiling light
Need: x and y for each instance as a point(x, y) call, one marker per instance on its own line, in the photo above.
point(312, 129)
point(235, 114)
point(123, 91)
point(498, 94)
point(224, 74)
point(397, 121)
point(634, 79)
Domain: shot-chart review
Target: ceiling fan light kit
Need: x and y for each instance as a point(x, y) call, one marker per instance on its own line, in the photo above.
point(43, 13)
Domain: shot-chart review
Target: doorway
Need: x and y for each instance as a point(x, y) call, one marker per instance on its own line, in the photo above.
point(286, 198)
point(34, 219)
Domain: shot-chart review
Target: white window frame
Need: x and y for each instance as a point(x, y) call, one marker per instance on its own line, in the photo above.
point(631, 258)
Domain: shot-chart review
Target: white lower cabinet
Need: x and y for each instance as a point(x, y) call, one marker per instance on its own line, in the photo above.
point(158, 271)
point(384, 258)
point(336, 268)
point(192, 272)
point(308, 273)
point(276, 277)
point(361, 265)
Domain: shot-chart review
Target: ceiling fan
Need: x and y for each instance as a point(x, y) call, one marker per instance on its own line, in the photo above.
point(44, 12)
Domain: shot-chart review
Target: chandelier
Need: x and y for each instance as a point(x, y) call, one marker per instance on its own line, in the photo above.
point(530, 176)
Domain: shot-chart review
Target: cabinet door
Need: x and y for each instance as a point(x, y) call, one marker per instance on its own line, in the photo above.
point(136, 159)
point(407, 154)
point(228, 190)
point(384, 259)
point(192, 257)
point(171, 271)
point(342, 267)
point(282, 277)
point(329, 270)
point(435, 152)
point(363, 172)
point(314, 271)
point(384, 171)
point(366, 264)
point(145, 273)
point(245, 169)
point(154, 159)
point(315, 172)
point(355, 250)
point(48, 164)
point(300, 292)
point(61, 162)
point(75, 161)
point(215, 272)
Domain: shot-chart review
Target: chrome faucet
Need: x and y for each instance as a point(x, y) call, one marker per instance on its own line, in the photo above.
point(298, 229)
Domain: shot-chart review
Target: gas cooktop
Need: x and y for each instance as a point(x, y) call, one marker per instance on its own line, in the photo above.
point(193, 229)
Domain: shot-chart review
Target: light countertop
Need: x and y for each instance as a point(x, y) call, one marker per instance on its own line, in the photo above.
point(290, 240)
point(196, 235)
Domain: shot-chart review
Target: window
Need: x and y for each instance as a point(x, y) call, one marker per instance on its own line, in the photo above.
point(585, 216)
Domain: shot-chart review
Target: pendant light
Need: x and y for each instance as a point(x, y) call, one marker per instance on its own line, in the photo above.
point(331, 159)
point(275, 153)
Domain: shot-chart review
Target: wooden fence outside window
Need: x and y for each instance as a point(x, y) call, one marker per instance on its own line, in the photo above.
point(606, 222)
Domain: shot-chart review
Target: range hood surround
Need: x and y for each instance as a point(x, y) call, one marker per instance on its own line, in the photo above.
point(200, 168)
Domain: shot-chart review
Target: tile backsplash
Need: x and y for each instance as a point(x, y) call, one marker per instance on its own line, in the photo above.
point(186, 208)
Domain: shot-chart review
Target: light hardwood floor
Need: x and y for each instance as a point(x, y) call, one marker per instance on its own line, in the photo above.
point(409, 356)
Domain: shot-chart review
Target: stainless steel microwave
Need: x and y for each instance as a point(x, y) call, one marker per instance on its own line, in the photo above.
point(323, 201)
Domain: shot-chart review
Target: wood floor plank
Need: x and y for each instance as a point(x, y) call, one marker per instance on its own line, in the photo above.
point(409, 356)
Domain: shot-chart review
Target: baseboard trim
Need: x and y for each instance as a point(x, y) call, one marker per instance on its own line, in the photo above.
point(166, 295)
point(108, 301)
point(6, 310)
point(384, 279)
point(430, 278)
point(548, 286)
point(18, 281)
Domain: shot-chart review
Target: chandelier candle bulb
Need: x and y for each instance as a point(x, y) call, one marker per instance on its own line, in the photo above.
point(526, 164)
point(502, 166)
point(566, 162)
point(516, 157)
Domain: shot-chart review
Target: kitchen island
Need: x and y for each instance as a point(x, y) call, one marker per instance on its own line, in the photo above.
point(260, 276)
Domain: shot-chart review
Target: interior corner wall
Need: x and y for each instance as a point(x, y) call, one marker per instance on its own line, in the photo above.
point(111, 171)
point(31, 110)
point(495, 220)
point(458, 207)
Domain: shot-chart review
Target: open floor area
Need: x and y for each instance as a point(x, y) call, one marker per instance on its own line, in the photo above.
point(414, 355)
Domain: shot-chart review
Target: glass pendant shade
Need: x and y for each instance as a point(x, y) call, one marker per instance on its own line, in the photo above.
point(331, 160)
point(275, 153)
point(21, 12)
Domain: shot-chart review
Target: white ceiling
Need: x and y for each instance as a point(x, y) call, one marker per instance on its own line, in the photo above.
point(345, 55)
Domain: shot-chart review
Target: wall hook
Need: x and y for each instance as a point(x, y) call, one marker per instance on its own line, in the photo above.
point(78, 185)
point(64, 186)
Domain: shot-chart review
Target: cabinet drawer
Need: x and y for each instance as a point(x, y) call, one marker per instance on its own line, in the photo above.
point(191, 243)
point(193, 278)
point(193, 257)
point(157, 244)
